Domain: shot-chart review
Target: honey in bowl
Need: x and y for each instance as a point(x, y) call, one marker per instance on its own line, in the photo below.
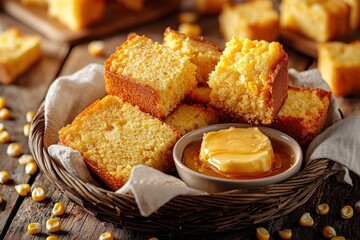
point(238, 153)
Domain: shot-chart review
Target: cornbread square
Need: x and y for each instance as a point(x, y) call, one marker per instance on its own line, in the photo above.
point(150, 75)
point(190, 117)
point(204, 54)
point(256, 20)
point(113, 136)
point(200, 94)
point(354, 13)
point(250, 81)
point(304, 113)
point(17, 54)
point(76, 14)
point(320, 20)
point(339, 64)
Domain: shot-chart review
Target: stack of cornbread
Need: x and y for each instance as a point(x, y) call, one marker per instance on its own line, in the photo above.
point(159, 92)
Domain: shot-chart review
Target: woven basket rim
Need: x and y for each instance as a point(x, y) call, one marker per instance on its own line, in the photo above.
point(216, 212)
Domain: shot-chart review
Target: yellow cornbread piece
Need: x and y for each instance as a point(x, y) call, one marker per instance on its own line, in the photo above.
point(17, 54)
point(237, 150)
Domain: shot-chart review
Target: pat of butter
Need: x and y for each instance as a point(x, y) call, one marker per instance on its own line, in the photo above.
point(237, 150)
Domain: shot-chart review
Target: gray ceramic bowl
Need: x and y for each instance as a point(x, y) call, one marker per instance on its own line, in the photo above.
point(214, 184)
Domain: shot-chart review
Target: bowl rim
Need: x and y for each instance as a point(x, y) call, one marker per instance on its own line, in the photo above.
point(216, 127)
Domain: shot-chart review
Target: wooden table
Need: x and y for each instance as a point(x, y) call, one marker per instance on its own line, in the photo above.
point(60, 59)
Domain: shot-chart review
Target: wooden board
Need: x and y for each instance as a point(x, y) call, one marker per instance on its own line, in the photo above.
point(115, 18)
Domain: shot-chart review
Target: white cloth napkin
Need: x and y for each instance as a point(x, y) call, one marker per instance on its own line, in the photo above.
point(70, 95)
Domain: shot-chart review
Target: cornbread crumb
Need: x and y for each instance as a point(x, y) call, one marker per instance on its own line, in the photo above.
point(304, 114)
point(96, 48)
point(339, 64)
point(250, 80)
point(200, 94)
point(150, 75)
point(320, 20)
point(190, 29)
point(256, 20)
point(17, 54)
point(210, 7)
point(113, 136)
point(190, 117)
point(204, 54)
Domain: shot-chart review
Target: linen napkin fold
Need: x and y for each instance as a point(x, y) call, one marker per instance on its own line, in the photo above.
point(70, 95)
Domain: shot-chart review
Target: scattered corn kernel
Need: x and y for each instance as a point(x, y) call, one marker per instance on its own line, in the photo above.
point(31, 168)
point(58, 209)
point(34, 228)
point(96, 48)
point(53, 225)
point(4, 176)
point(188, 17)
point(190, 29)
point(4, 136)
point(29, 116)
point(38, 194)
point(306, 220)
point(285, 234)
point(2, 102)
point(52, 238)
point(346, 212)
point(26, 129)
point(357, 206)
point(338, 238)
point(106, 236)
point(23, 189)
point(4, 113)
point(322, 209)
point(2, 127)
point(25, 159)
point(329, 232)
point(14, 150)
point(262, 234)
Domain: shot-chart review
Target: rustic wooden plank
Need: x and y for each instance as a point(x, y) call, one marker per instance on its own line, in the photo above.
point(24, 95)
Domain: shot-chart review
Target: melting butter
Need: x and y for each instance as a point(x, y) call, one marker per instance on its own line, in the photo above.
point(237, 150)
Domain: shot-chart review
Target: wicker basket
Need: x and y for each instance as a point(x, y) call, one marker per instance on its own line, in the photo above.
point(183, 214)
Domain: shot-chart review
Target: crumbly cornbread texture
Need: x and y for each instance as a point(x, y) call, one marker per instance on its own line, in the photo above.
point(17, 54)
point(190, 117)
point(150, 75)
point(250, 80)
point(113, 136)
point(304, 114)
point(256, 20)
point(320, 20)
point(204, 54)
point(339, 64)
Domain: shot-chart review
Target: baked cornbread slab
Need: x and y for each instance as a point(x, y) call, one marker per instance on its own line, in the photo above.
point(256, 20)
point(17, 54)
point(304, 114)
point(204, 54)
point(250, 81)
point(113, 136)
point(339, 64)
point(320, 20)
point(150, 75)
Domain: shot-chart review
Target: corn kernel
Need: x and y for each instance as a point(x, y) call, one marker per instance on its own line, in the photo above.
point(306, 220)
point(285, 234)
point(52, 238)
point(262, 234)
point(53, 225)
point(31, 168)
point(2, 127)
point(4, 114)
point(188, 17)
point(34, 228)
point(346, 212)
point(58, 209)
point(29, 116)
point(322, 209)
point(4, 176)
point(96, 48)
point(2, 102)
point(4, 136)
point(190, 29)
point(329, 232)
point(106, 236)
point(14, 150)
point(23, 189)
point(38, 194)
point(26, 129)
point(357, 206)
point(25, 159)
point(338, 238)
